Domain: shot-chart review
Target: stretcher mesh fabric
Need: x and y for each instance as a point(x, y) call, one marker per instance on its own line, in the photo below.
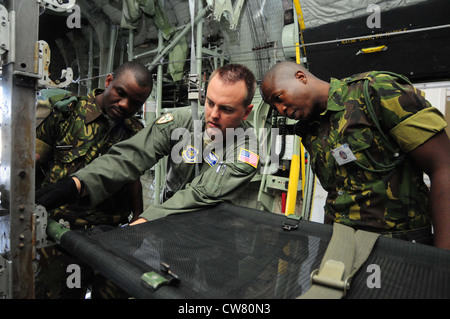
point(234, 252)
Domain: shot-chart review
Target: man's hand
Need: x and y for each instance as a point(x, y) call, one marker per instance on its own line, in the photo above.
point(138, 221)
point(58, 194)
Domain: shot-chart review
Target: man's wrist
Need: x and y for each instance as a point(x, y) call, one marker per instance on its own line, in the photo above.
point(138, 221)
point(77, 184)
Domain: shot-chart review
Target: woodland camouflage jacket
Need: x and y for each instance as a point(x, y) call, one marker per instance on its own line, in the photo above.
point(378, 189)
point(71, 137)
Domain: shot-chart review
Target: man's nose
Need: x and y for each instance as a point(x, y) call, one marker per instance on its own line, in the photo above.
point(215, 113)
point(124, 104)
point(281, 109)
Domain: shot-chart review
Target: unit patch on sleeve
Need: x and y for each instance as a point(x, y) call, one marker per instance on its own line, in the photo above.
point(166, 118)
point(190, 154)
point(248, 157)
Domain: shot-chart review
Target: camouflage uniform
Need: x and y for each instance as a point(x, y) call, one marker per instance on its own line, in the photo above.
point(381, 190)
point(70, 137)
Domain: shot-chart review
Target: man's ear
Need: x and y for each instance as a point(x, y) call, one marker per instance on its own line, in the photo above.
point(108, 80)
point(247, 112)
point(301, 76)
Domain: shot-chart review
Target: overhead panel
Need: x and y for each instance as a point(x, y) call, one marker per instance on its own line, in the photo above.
point(411, 40)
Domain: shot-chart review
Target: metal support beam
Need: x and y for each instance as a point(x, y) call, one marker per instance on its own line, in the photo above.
point(91, 60)
point(113, 32)
point(130, 45)
point(159, 169)
point(18, 134)
point(174, 42)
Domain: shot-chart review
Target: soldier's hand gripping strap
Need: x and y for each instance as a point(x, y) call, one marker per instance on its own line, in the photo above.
point(346, 253)
point(58, 194)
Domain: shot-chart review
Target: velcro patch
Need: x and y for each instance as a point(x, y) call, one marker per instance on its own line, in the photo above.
point(190, 154)
point(248, 157)
point(166, 118)
point(211, 159)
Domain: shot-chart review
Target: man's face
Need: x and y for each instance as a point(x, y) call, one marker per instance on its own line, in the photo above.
point(290, 97)
point(224, 106)
point(123, 96)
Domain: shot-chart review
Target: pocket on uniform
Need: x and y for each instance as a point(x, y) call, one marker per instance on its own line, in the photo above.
point(213, 189)
point(358, 142)
point(211, 182)
point(70, 155)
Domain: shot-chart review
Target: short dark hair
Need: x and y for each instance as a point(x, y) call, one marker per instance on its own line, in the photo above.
point(232, 73)
point(141, 73)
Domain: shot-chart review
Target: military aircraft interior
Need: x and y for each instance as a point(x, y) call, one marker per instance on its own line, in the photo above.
point(270, 241)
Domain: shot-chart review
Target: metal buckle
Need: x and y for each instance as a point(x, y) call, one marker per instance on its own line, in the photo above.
point(331, 276)
point(291, 222)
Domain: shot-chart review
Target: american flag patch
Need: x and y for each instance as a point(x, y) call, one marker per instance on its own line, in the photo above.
point(248, 157)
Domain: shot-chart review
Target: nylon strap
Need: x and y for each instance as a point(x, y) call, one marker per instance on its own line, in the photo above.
point(346, 253)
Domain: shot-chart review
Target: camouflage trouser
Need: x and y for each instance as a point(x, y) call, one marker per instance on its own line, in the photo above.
point(420, 236)
point(52, 262)
point(88, 218)
point(53, 276)
point(51, 281)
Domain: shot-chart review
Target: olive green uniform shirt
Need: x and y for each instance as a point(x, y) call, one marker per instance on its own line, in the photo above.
point(224, 169)
point(369, 191)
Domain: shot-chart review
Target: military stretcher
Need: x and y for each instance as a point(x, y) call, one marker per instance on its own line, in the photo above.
point(238, 253)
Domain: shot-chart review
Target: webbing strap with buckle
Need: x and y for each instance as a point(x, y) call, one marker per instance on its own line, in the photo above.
point(291, 222)
point(346, 253)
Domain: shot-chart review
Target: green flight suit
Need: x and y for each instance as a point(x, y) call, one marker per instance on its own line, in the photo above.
point(371, 192)
point(225, 169)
